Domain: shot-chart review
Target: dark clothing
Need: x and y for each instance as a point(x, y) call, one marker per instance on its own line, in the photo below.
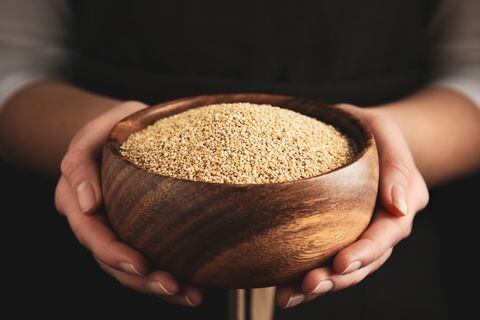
point(362, 52)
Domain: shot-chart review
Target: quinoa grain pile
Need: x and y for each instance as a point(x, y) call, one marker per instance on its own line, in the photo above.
point(239, 143)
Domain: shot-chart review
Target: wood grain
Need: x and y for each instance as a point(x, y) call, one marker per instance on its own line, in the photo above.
point(239, 236)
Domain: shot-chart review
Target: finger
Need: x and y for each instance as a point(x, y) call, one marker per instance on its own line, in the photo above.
point(370, 253)
point(292, 295)
point(188, 296)
point(383, 233)
point(80, 164)
point(61, 188)
point(94, 234)
point(289, 296)
point(397, 168)
point(323, 280)
point(158, 282)
point(398, 171)
point(418, 193)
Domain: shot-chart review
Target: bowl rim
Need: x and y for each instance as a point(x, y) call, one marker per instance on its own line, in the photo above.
point(368, 143)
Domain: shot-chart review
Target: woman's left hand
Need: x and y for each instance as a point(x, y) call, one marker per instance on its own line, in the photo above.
point(402, 193)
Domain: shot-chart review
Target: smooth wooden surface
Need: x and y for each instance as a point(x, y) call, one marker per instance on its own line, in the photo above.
point(239, 236)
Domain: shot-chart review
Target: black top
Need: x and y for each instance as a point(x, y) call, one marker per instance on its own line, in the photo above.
point(362, 52)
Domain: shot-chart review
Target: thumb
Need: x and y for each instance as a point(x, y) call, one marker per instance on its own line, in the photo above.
point(398, 171)
point(402, 189)
point(80, 165)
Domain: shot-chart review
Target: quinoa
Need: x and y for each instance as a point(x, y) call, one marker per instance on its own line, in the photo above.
point(239, 143)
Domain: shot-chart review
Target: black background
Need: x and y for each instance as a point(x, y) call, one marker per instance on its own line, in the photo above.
point(47, 271)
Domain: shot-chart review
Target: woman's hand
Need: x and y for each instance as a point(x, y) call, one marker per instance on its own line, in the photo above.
point(402, 193)
point(78, 196)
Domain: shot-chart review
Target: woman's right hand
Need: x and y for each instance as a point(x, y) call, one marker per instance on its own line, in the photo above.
point(78, 196)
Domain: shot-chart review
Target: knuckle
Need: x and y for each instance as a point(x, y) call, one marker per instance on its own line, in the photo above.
point(387, 255)
point(70, 162)
point(424, 197)
point(399, 232)
point(77, 230)
point(58, 202)
point(59, 207)
point(400, 167)
point(406, 231)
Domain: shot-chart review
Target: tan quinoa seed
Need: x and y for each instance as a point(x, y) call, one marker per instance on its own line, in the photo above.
point(239, 143)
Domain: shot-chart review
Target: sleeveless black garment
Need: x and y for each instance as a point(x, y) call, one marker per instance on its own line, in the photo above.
point(362, 52)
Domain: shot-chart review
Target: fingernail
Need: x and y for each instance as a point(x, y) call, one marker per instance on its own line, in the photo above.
point(190, 303)
point(192, 296)
point(158, 288)
point(130, 268)
point(322, 287)
point(399, 199)
point(354, 266)
point(85, 196)
point(295, 300)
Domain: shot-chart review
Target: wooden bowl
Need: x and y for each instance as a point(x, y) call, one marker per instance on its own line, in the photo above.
point(239, 235)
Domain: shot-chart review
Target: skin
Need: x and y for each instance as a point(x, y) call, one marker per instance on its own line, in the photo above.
point(51, 126)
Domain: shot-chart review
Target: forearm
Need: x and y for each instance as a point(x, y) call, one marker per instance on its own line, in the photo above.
point(38, 123)
point(442, 128)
